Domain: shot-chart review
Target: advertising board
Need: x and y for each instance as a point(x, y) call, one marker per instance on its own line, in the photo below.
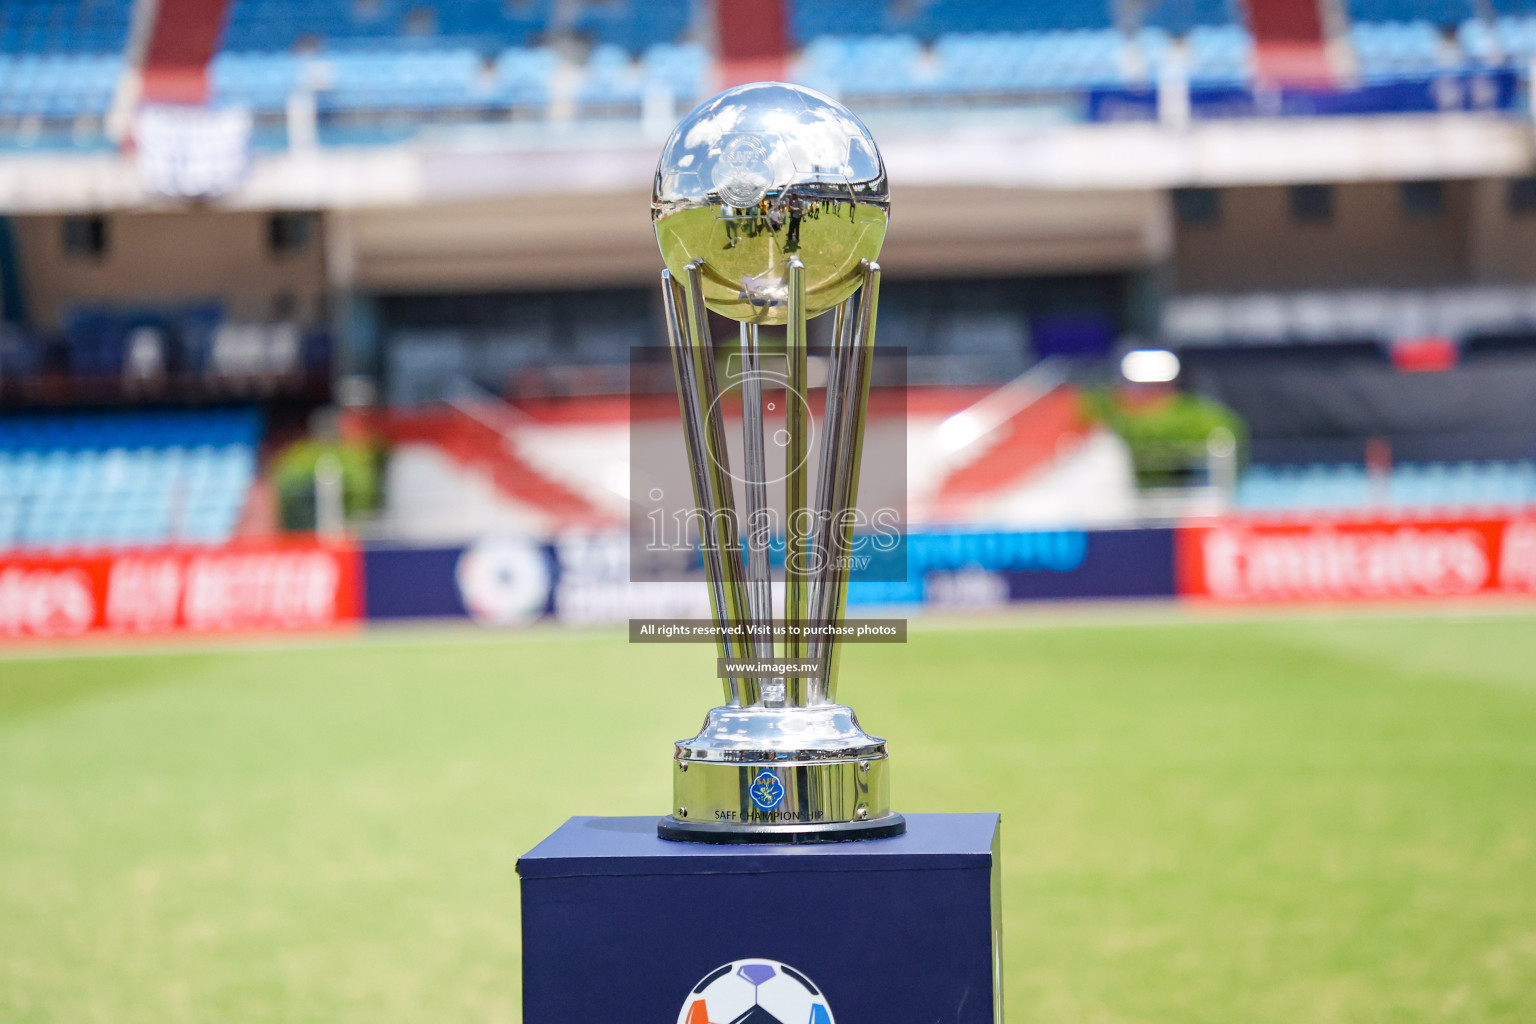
point(282, 586)
point(1356, 560)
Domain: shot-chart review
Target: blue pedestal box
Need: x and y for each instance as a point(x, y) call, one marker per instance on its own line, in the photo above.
point(620, 926)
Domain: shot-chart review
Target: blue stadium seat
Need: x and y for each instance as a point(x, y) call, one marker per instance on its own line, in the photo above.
point(413, 80)
point(1480, 42)
point(811, 19)
point(1181, 16)
point(610, 77)
point(260, 81)
point(948, 16)
point(486, 26)
point(58, 85)
point(634, 25)
point(115, 479)
point(58, 27)
point(1045, 61)
point(1220, 55)
point(682, 68)
point(521, 76)
point(1398, 49)
point(1435, 485)
point(860, 65)
point(1516, 37)
point(1435, 12)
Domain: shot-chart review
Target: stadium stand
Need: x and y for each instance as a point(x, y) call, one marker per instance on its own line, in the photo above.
point(1481, 42)
point(1021, 63)
point(377, 68)
point(634, 25)
point(1211, 55)
point(1514, 37)
point(811, 19)
point(261, 81)
point(683, 68)
point(283, 25)
point(1182, 16)
point(61, 62)
point(1431, 486)
point(125, 479)
point(1342, 316)
point(521, 76)
point(428, 80)
point(59, 27)
point(868, 65)
point(486, 26)
point(1394, 49)
point(1434, 12)
point(159, 346)
point(1060, 61)
point(61, 85)
point(387, 57)
point(612, 59)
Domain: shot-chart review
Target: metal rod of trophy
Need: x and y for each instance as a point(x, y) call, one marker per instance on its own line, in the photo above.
point(797, 527)
point(853, 408)
point(826, 482)
point(759, 529)
point(683, 367)
point(708, 461)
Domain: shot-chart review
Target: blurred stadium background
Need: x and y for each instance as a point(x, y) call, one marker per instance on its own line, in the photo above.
point(317, 313)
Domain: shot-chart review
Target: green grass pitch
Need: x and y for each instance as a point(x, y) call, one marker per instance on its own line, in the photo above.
point(1204, 822)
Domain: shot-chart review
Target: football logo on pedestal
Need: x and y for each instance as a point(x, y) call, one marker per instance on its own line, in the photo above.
point(755, 992)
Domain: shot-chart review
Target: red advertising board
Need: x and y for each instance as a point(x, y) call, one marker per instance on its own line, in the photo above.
point(241, 588)
point(1350, 560)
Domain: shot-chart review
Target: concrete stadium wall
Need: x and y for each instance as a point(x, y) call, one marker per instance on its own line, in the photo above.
point(1257, 246)
point(160, 258)
point(606, 239)
point(1370, 241)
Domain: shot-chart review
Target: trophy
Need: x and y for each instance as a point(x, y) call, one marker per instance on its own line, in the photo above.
point(770, 205)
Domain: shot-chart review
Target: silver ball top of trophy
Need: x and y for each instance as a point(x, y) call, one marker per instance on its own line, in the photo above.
point(761, 173)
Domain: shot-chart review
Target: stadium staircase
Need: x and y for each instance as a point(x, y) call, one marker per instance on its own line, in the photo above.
point(482, 436)
point(1009, 436)
point(183, 39)
point(1289, 41)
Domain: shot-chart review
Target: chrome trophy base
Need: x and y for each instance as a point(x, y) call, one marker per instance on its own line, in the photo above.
point(678, 831)
point(781, 775)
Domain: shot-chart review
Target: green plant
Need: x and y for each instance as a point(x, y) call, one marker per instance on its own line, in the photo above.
point(1167, 434)
point(293, 477)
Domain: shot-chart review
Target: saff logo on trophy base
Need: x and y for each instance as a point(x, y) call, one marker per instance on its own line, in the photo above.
point(770, 206)
point(767, 791)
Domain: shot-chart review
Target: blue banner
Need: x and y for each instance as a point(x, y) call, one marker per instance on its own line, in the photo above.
point(496, 580)
point(976, 568)
point(509, 580)
point(1462, 91)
